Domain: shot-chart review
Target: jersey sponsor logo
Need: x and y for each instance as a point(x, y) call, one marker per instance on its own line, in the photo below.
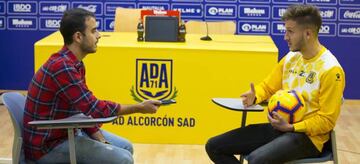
point(350, 2)
point(254, 12)
point(22, 23)
point(22, 7)
point(322, 2)
point(349, 14)
point(278, 28)
point(188, 10)
point(53, 8)
point(94, 7)
point(254, 1)
point(338, 77)
point(349, 29)
point(110, 7)
point(220, 11)
point(254, 27)
point(154, 80)
point(328, 13)
point(327, 29)
point(287, 1)
point(154, 6)
point(109, 24)
point(311, 77)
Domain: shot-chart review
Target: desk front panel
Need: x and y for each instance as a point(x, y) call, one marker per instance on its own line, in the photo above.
point(190, 76)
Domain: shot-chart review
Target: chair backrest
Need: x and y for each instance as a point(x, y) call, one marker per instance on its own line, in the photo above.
point(219, 27)
point(15, 103)
point(126, 19)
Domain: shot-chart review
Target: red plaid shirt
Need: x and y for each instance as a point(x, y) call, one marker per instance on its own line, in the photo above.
point(58, 90)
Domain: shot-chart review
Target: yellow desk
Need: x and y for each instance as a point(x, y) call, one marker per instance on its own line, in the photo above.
point(124, 70)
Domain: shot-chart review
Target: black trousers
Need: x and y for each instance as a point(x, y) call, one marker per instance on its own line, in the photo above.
point(262, 143)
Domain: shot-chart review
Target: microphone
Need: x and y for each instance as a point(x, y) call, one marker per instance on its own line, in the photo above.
point(207, 37)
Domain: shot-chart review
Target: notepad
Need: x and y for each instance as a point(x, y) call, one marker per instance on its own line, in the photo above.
point(236, 104)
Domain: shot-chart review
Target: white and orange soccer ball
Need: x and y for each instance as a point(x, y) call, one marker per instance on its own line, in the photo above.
point(289, 104)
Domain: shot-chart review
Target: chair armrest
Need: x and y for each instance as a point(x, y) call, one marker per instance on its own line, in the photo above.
point(75, 121)
point(236, 104)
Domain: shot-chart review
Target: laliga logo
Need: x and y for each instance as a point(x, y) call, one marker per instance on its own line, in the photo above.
point(91, 8)
point(21, 7)
point(153, 80)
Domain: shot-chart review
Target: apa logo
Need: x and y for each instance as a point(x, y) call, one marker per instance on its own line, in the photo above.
point(154, 79)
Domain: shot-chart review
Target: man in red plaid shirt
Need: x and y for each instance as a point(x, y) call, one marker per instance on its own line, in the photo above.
point(58, 90)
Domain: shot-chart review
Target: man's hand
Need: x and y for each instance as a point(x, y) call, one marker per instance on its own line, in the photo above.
point(279, 123)
point(99, 137)
point(249, 96)
point(149, 106)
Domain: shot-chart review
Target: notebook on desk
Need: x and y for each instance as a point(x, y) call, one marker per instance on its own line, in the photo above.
point(236, 104)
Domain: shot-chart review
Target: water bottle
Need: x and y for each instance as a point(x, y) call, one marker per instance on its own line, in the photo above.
point(140, 31)
point(182, 32)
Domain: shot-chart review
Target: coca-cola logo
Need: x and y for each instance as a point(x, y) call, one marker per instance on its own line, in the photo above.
point(352, 15)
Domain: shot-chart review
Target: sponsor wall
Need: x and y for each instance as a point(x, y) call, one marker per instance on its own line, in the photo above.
point(23, 22)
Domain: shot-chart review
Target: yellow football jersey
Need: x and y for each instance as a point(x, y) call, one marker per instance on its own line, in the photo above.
point(320, 80)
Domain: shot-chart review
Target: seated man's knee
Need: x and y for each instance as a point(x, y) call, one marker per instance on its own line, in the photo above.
point(126, 158)
point(209, 147)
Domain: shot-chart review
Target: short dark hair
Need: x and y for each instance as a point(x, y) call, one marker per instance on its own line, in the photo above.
point(306, 15)
point(73, 21)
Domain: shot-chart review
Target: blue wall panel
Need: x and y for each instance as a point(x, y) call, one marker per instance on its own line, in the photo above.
point(23, 22)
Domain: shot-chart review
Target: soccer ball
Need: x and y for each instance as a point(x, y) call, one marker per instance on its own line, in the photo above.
point(289, 104)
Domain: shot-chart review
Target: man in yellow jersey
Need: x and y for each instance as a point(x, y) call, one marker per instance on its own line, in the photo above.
point(308, 68)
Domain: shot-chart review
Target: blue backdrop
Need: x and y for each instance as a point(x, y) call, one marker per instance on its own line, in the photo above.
point(24, 22)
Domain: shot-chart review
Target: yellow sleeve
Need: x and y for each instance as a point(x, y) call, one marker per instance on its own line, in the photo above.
point(332, 84)
point(271, 84)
